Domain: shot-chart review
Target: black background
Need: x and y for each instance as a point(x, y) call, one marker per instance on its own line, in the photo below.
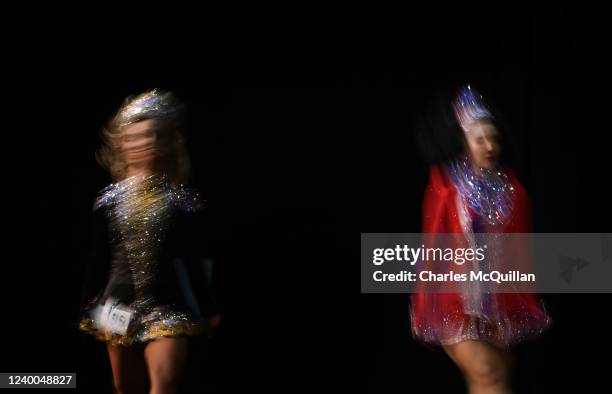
point(300, 142)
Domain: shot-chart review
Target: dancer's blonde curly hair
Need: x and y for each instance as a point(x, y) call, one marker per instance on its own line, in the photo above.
point(167, 112)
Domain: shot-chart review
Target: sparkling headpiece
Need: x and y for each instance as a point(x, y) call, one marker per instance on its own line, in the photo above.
point(469, 106)
point(152, 104)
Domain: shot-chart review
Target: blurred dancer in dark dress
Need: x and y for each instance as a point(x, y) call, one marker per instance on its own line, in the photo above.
point(146, 224)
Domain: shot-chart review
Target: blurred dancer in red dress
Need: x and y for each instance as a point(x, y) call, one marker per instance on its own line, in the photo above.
point(474, 192)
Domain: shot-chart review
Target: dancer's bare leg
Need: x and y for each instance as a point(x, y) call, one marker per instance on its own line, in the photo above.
point(486, 368)
point(129, 369)
point(166, 358)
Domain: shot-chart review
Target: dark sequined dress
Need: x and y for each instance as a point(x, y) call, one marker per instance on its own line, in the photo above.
point(146, 228)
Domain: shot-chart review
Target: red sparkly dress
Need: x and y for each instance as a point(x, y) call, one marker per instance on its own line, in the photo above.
point(444, 318)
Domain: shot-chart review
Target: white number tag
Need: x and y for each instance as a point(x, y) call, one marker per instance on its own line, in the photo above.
point(114, 316)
